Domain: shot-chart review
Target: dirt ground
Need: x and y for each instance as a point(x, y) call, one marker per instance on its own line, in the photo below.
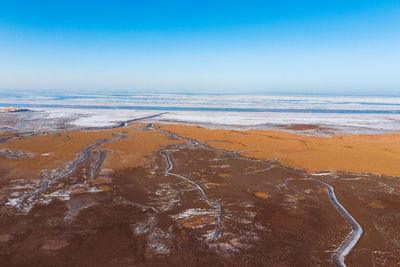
point(147, 198)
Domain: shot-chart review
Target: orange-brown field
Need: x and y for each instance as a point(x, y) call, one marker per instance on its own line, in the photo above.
point(50, 151)
point(175, 195)
point(379, 154)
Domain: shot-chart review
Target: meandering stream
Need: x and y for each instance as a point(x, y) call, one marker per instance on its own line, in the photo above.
point(218, 233)
point(348, 243)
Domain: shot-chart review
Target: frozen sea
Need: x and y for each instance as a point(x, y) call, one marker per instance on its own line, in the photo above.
point(356, 114)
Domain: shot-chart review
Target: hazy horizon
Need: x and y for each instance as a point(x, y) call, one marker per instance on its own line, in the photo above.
point(201, 92)
point(258, 47)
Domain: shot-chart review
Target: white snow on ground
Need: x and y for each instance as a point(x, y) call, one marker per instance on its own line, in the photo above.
point(94, 117)
point(359, 123)
point(13, 202)
point(192, 212)
point(93, 109)
point(322, 174)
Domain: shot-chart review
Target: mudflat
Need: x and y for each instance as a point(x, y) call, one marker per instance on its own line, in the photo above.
point(178, 195)
point(368, 153)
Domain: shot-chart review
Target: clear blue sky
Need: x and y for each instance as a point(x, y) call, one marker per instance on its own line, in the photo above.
point(320, 46)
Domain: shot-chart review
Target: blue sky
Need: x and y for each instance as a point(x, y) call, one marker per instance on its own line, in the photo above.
point(323, 47)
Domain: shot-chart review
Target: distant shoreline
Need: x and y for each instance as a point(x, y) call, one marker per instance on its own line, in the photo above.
point(13, 110)
point(213, 109)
